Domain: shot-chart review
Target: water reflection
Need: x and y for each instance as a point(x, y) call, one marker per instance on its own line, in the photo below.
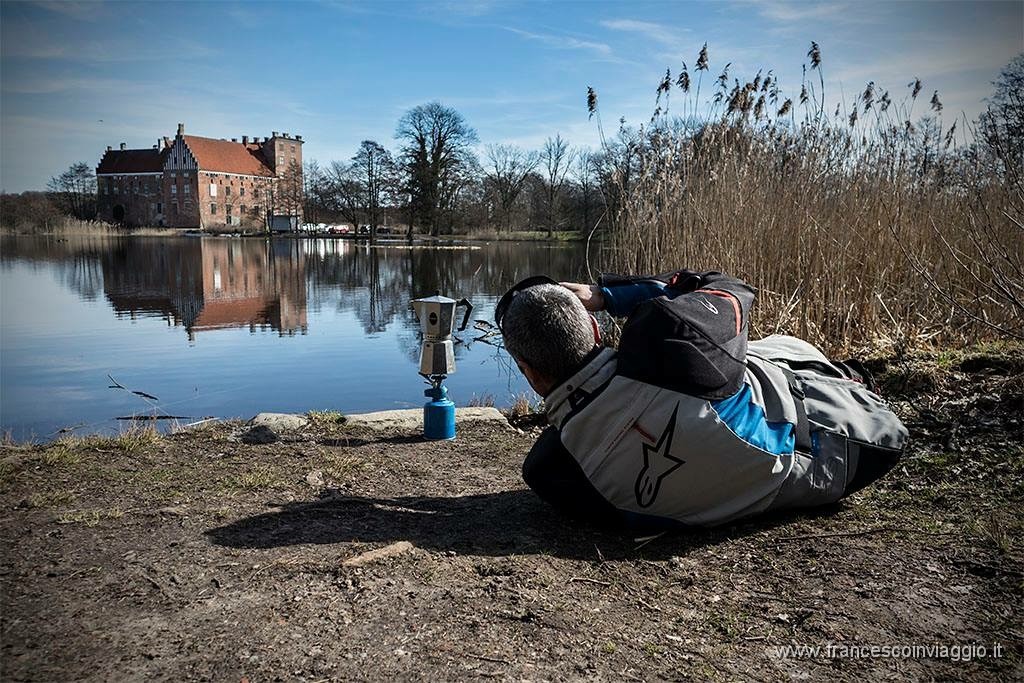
point(202, 284)
point(338, 314)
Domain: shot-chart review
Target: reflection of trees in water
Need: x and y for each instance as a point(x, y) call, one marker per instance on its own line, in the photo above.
point(376, 285)
point(219, 282)
point(76, 260)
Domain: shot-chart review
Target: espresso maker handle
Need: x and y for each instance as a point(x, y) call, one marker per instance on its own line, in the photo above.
point(469, 309)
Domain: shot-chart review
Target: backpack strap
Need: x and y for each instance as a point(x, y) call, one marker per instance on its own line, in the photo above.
point(802, 431)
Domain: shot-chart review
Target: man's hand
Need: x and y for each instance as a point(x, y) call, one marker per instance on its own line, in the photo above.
point(590, 295)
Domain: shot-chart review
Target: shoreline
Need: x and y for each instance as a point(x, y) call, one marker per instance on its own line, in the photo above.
point(419, 239)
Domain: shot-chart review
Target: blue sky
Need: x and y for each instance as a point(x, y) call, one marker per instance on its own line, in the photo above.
point(78, 76)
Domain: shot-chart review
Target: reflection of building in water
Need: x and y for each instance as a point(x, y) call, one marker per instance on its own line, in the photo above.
point(212, 284)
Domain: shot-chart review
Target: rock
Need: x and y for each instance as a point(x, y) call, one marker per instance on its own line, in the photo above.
point(279, 422)
point(173, 510)
point(259, 434)
point(369, 556)
point(315, 479)
point(412, 419)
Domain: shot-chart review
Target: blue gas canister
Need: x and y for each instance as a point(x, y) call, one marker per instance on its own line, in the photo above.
point(438, 414)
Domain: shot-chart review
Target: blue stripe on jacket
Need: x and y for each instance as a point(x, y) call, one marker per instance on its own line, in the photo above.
point(747, 420)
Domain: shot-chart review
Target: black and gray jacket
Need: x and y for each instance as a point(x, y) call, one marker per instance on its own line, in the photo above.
point(793, 429)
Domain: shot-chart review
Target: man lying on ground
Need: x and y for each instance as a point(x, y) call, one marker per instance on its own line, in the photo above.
point(687, 422)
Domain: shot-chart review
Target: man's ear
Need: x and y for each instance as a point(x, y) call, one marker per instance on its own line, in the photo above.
point(539, 383)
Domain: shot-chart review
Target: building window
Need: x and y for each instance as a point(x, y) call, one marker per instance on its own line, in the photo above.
point(188, 189)
point(227, 191)
point(159, 207)
point(241, 192)
point(174, 189)
point(241, 210)
point(173, 174)
point(227, 209)
point(213, 189)
point(213, 208)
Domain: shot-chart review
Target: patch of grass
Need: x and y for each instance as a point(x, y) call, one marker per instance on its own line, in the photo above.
point(90, 518)
point(326, 418)
point(523, 406)
point(256, 479)
point(50, 499)
point(725, 622)
point(998, 530)
point(7, 470)
point(481, 401)
point(340, 467)
point(63, 453)
point(608, 648)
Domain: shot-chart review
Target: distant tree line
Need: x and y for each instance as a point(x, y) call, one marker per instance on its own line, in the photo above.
point(435, 183)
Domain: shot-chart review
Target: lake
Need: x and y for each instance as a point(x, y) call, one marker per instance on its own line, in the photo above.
point(230, 327)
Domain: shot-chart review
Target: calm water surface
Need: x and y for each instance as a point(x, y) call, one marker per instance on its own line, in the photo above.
point(231, 327)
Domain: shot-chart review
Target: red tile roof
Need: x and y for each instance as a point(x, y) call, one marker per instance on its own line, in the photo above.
point(131, 161)
point(227, 157)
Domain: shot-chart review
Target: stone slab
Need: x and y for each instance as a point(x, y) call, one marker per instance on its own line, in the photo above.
point(412, 418)
point(279, 422)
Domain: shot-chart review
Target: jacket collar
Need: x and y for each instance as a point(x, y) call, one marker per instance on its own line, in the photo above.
point(572, 394)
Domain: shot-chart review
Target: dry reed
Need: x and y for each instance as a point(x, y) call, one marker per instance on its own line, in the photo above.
point(863, 228)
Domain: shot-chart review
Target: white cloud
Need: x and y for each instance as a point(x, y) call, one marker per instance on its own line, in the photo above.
point(563, 42)
point(786, 11)
point(646, 29)
point(83, 11)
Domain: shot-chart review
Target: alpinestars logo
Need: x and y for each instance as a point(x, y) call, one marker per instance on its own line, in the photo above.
point(708, 305)
point(658, 464)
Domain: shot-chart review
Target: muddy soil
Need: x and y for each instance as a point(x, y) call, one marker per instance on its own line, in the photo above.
point(195, 556)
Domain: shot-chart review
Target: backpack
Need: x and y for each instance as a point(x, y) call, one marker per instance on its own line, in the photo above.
point(694, 342)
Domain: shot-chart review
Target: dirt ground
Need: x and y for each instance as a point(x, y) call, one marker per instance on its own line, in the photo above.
point(194, 556)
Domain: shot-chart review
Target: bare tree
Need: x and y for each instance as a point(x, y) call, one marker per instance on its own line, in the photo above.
point(556, 157)
point(1002, 123)
point(373, 171)
point(74, 191)
point(437, 159)
point(284, 196)
point(509, 168)
point(314, 180)
point(586, 185)
point(343, 194)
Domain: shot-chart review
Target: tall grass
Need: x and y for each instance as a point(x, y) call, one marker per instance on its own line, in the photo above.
point(858, 227)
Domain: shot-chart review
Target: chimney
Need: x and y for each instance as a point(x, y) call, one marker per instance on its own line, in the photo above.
point(273, 134)
point(159, 144)
point(245, 139)
point(123, 145)
point(167, 142)
point(299, 138)
point(181, 129)
point(234, 139)
point(284, 135)
point(109, 148)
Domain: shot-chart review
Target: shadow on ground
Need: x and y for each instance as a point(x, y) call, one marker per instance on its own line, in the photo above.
point(490, 524)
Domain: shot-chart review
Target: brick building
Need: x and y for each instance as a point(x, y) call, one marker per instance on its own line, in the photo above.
point(196, 182)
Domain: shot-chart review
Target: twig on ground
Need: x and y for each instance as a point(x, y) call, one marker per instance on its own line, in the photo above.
point(496, 660)
point(584, 579)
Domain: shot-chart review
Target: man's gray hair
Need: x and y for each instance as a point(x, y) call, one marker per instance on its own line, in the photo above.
point(547, 327)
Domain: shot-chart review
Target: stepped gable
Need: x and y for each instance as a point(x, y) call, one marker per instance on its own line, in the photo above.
point(225, 156)
point(131, 161)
